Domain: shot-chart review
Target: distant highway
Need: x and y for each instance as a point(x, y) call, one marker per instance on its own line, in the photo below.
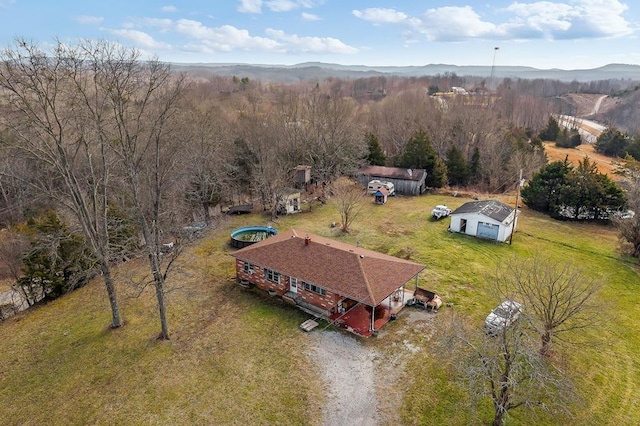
point(589, 130)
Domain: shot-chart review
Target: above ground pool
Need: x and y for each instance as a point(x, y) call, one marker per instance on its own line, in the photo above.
point(243, 237)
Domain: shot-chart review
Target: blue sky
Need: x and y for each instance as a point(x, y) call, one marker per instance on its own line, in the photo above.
point(568, 34)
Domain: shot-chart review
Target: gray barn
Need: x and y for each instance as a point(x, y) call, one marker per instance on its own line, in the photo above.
point(406, 181)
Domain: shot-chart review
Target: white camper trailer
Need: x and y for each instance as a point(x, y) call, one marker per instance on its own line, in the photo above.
point(375, 184)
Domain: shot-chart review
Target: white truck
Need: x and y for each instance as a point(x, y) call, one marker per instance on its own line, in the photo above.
point(440, 211)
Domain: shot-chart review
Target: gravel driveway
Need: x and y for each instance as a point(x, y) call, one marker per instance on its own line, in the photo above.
point(351, 372)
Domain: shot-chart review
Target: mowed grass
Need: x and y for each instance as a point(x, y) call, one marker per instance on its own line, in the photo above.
point(238, 357)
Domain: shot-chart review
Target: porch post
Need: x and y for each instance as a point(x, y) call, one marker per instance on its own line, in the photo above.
point(373, 318)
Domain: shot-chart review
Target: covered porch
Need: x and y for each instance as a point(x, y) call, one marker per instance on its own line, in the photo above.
point(364, 320)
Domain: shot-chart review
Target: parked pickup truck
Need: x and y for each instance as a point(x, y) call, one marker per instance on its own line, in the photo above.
point(440, 211)
point(425, 299)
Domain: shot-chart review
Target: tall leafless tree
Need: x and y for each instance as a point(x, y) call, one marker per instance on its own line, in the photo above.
point(629, 224)
point(558, 296)
point(142, 97)
point(46, 92)
point(348, 198)
point(505, 368)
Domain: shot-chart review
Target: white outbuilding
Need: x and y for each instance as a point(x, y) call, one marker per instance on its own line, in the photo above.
point(489, 219)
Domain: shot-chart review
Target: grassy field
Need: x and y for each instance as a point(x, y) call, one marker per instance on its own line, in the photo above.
point(238, 357)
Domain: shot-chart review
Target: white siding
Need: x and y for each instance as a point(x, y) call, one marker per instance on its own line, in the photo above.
point(473, 219)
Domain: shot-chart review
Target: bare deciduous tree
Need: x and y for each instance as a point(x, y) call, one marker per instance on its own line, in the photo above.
point(629, 227)
point(506, 368)
point(142, 99)
point(558, 297)
point(348, 199)
point(46, 92)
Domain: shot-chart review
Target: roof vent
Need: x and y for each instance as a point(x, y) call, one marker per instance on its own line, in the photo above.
point(410, 172)
point(362, 256)
point(307, 240)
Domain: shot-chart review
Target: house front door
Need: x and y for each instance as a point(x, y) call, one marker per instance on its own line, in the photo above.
point(293, 285)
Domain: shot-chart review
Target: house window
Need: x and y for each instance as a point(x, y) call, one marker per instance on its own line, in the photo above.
point(272, 276)
point(248, 268)
point(315, 289)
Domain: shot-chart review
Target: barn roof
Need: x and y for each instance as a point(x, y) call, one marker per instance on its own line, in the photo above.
point(394, 172)
point(494, 209)
point(360, 274)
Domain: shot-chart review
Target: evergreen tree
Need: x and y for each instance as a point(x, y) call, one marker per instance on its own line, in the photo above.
point(591, 194)
point(579, 193)
point(458, 171)
point(633, 149)
point(568, 138)
point(542, 193)
point(612, 143)
point(58, 261)
point(437, 176)
point(419, 153)
point(376, 156)
point(475, 167)
point(550, 133)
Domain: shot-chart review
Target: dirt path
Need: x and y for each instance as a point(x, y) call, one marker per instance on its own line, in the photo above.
point(596, 107)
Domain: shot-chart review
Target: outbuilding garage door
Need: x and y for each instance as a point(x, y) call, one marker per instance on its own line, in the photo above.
point(488, 230)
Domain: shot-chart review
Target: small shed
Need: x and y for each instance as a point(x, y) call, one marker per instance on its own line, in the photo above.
point(290, 201)
point(380, 196)
point(405, 181)
point(489, 219)
point(302, 176)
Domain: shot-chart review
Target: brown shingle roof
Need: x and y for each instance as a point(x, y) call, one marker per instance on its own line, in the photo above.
point(360, 274)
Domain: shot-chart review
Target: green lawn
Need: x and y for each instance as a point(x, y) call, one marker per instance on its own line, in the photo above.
point(238, 356)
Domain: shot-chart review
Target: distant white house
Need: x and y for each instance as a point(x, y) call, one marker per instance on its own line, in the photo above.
point(488, 219)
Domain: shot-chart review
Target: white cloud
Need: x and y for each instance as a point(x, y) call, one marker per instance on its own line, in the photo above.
point(141, 39)
point(250, 6)
point(6, 3)
point(255, 6)
point(571, 19)
point(90, 20)
point(298, 44)
point(452, 23)
point(169, 8)
point(288, 5)
point(164, 24)
point(576, 19)
point(198, 37)
point(282, 5)
point(380, 15)
point(224, 38)
point(310, 17)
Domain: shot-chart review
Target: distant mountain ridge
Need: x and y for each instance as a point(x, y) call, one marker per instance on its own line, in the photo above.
point(320, 70)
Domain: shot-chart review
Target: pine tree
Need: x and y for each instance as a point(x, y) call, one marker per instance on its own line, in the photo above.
point(376, 156)
point(475, 167)
point(458, 171)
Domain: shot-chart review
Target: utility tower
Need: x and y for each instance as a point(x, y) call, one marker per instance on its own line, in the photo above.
point(493, 64)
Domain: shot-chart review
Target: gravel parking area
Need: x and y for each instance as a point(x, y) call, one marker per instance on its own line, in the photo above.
point(353, 373)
